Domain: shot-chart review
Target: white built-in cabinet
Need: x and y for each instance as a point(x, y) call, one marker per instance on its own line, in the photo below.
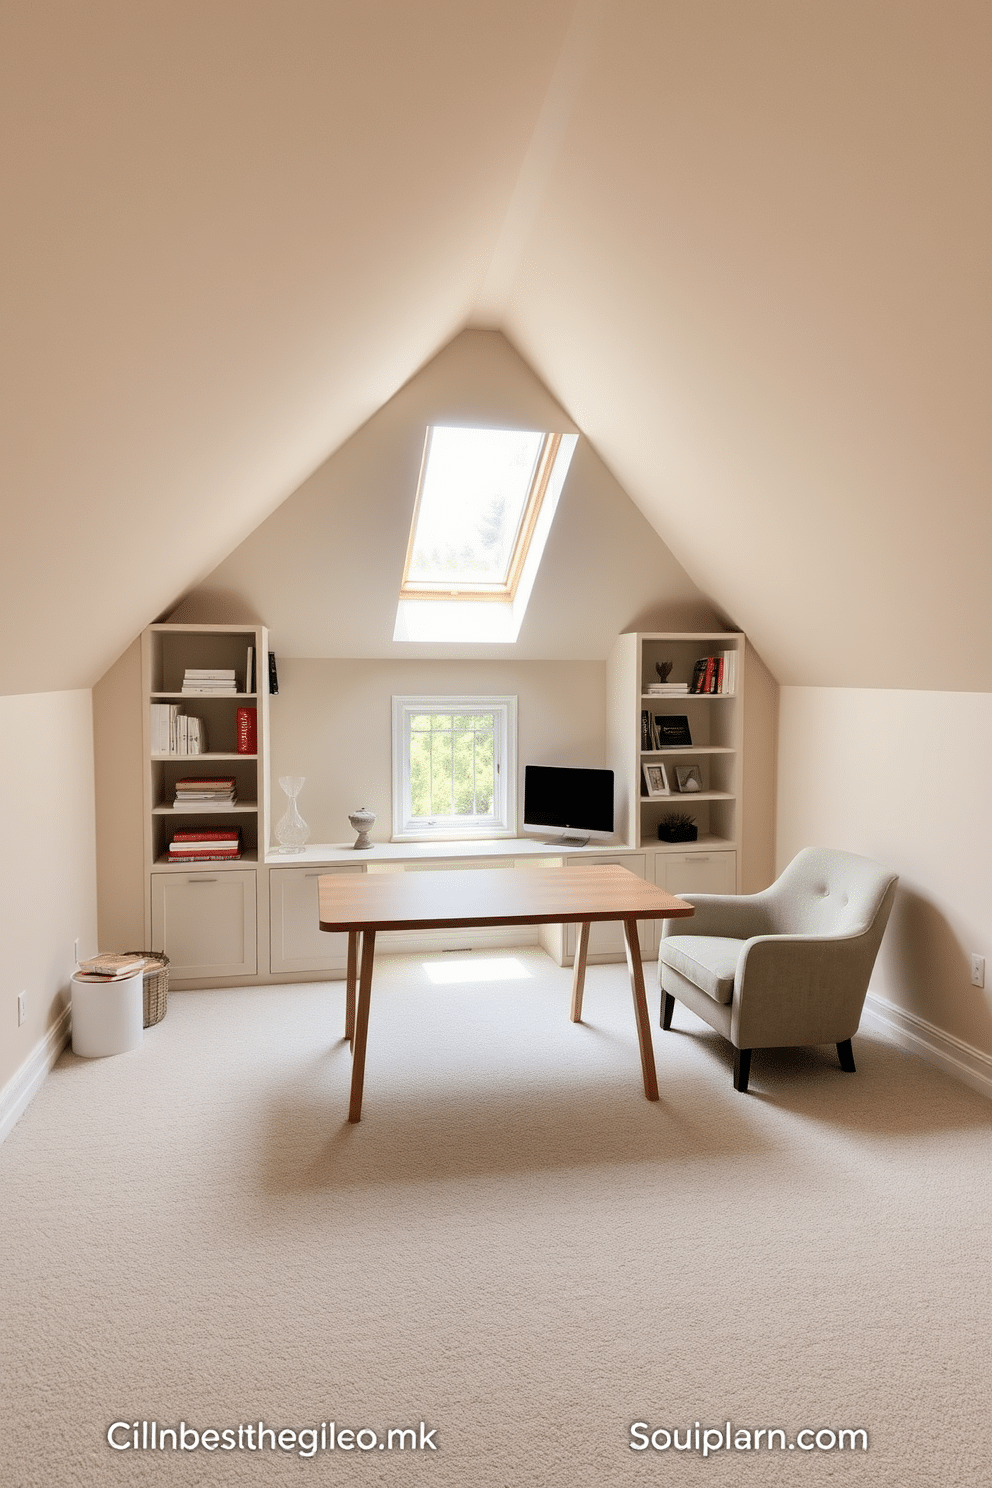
point(296, 941)
point(696, 872)
point(206, 922)
point(257, 919)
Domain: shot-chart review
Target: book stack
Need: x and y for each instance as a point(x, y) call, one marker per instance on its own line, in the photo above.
point(110, 967)
point(665, 689)
point(174, 732)
point(715, 673)
point(205, 847)
point(210, 681)
point(194, 793)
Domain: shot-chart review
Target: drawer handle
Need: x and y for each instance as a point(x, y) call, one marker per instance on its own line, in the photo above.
point(201, 880)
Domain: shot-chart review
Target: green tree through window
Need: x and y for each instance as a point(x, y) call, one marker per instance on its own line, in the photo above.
point(452, 764)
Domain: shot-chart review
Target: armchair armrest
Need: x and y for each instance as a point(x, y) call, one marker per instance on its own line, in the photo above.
point(736, 916)
point(800, 989)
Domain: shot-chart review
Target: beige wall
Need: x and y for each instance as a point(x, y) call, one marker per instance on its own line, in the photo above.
point(48, 865)
point(760, 756)
point(903, 777)
point(117, 737)
point(332, 722)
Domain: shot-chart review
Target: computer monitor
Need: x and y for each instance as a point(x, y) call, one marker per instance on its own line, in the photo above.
point(568, 804)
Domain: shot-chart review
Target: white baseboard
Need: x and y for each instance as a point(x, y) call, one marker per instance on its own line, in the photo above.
point(952, 1055)
point(22, 1087)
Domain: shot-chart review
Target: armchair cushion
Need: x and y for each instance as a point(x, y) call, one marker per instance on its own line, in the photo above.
point(708, 961)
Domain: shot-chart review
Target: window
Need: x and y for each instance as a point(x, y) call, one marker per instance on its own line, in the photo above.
point(454, 767)
point(483, 511)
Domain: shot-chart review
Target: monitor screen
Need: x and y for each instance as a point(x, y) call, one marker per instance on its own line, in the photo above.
point(568, 803)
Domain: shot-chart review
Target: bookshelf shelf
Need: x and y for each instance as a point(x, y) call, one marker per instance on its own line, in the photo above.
point(212, 754)
point(207, 809)
point(681, 800)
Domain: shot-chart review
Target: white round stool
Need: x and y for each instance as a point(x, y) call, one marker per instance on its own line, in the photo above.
point(107, 1017)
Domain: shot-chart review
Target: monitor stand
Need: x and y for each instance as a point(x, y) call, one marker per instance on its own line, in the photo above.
point(568, 841)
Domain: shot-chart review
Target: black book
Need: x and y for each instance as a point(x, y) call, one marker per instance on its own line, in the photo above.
point(645, 729)
point(673, 731)
point(273, 675)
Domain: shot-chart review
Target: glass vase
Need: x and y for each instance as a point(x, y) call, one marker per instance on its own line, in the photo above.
point(291, 830)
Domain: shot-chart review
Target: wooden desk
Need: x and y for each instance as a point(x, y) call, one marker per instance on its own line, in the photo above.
point(365, 904)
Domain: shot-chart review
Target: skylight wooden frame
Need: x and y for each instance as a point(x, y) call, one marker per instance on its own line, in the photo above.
point(504, 593)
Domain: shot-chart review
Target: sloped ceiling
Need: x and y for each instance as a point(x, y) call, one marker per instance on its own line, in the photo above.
point(323, 572)
point(745, 244)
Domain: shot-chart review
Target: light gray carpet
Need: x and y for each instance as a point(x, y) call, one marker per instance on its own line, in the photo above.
point(513, 1247)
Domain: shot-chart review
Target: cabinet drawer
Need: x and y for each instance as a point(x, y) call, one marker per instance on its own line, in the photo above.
point(696, 872)
point(205, 922)
point(296, 941)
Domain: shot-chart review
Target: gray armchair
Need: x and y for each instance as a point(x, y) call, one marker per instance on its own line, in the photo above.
point(787, 966)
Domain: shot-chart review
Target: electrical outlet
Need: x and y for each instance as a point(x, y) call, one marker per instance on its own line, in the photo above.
point(21, 1008)
point(978, 971)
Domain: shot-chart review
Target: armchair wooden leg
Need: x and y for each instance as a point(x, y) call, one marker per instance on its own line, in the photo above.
point(667, 1009)
point(742, 1069)
point(846, 1056)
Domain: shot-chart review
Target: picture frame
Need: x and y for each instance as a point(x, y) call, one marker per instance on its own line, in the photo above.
point(656, 781)
point(688, 779)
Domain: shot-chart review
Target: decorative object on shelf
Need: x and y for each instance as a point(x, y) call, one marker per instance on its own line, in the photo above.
point(291, 830)
point(688, 777)
point(656, 781)
point(678, 826)
point(664, 670)
point(362, 821)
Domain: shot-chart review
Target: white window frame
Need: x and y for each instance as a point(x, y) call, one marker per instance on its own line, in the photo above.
point(503, 820)
point(456, 614)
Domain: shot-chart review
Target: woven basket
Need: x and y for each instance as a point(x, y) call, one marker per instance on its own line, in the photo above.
point(155, 985)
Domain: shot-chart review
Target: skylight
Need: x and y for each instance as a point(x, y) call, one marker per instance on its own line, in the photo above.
point(482, 516)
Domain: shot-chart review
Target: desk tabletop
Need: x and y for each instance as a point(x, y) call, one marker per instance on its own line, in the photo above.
point(495, 896)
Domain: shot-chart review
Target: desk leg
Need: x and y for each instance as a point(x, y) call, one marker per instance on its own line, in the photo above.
point(579, 972)
point(362, 1026)
point(354, 939)
point(636, 970)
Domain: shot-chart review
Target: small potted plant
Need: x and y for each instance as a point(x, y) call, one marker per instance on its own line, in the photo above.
point(678, 826)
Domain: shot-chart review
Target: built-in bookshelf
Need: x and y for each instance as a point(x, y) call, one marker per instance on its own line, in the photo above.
point(207, 674)
point(706, 749)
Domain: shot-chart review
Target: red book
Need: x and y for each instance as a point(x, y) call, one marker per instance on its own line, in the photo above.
point(227, 836)
point(247, 731)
